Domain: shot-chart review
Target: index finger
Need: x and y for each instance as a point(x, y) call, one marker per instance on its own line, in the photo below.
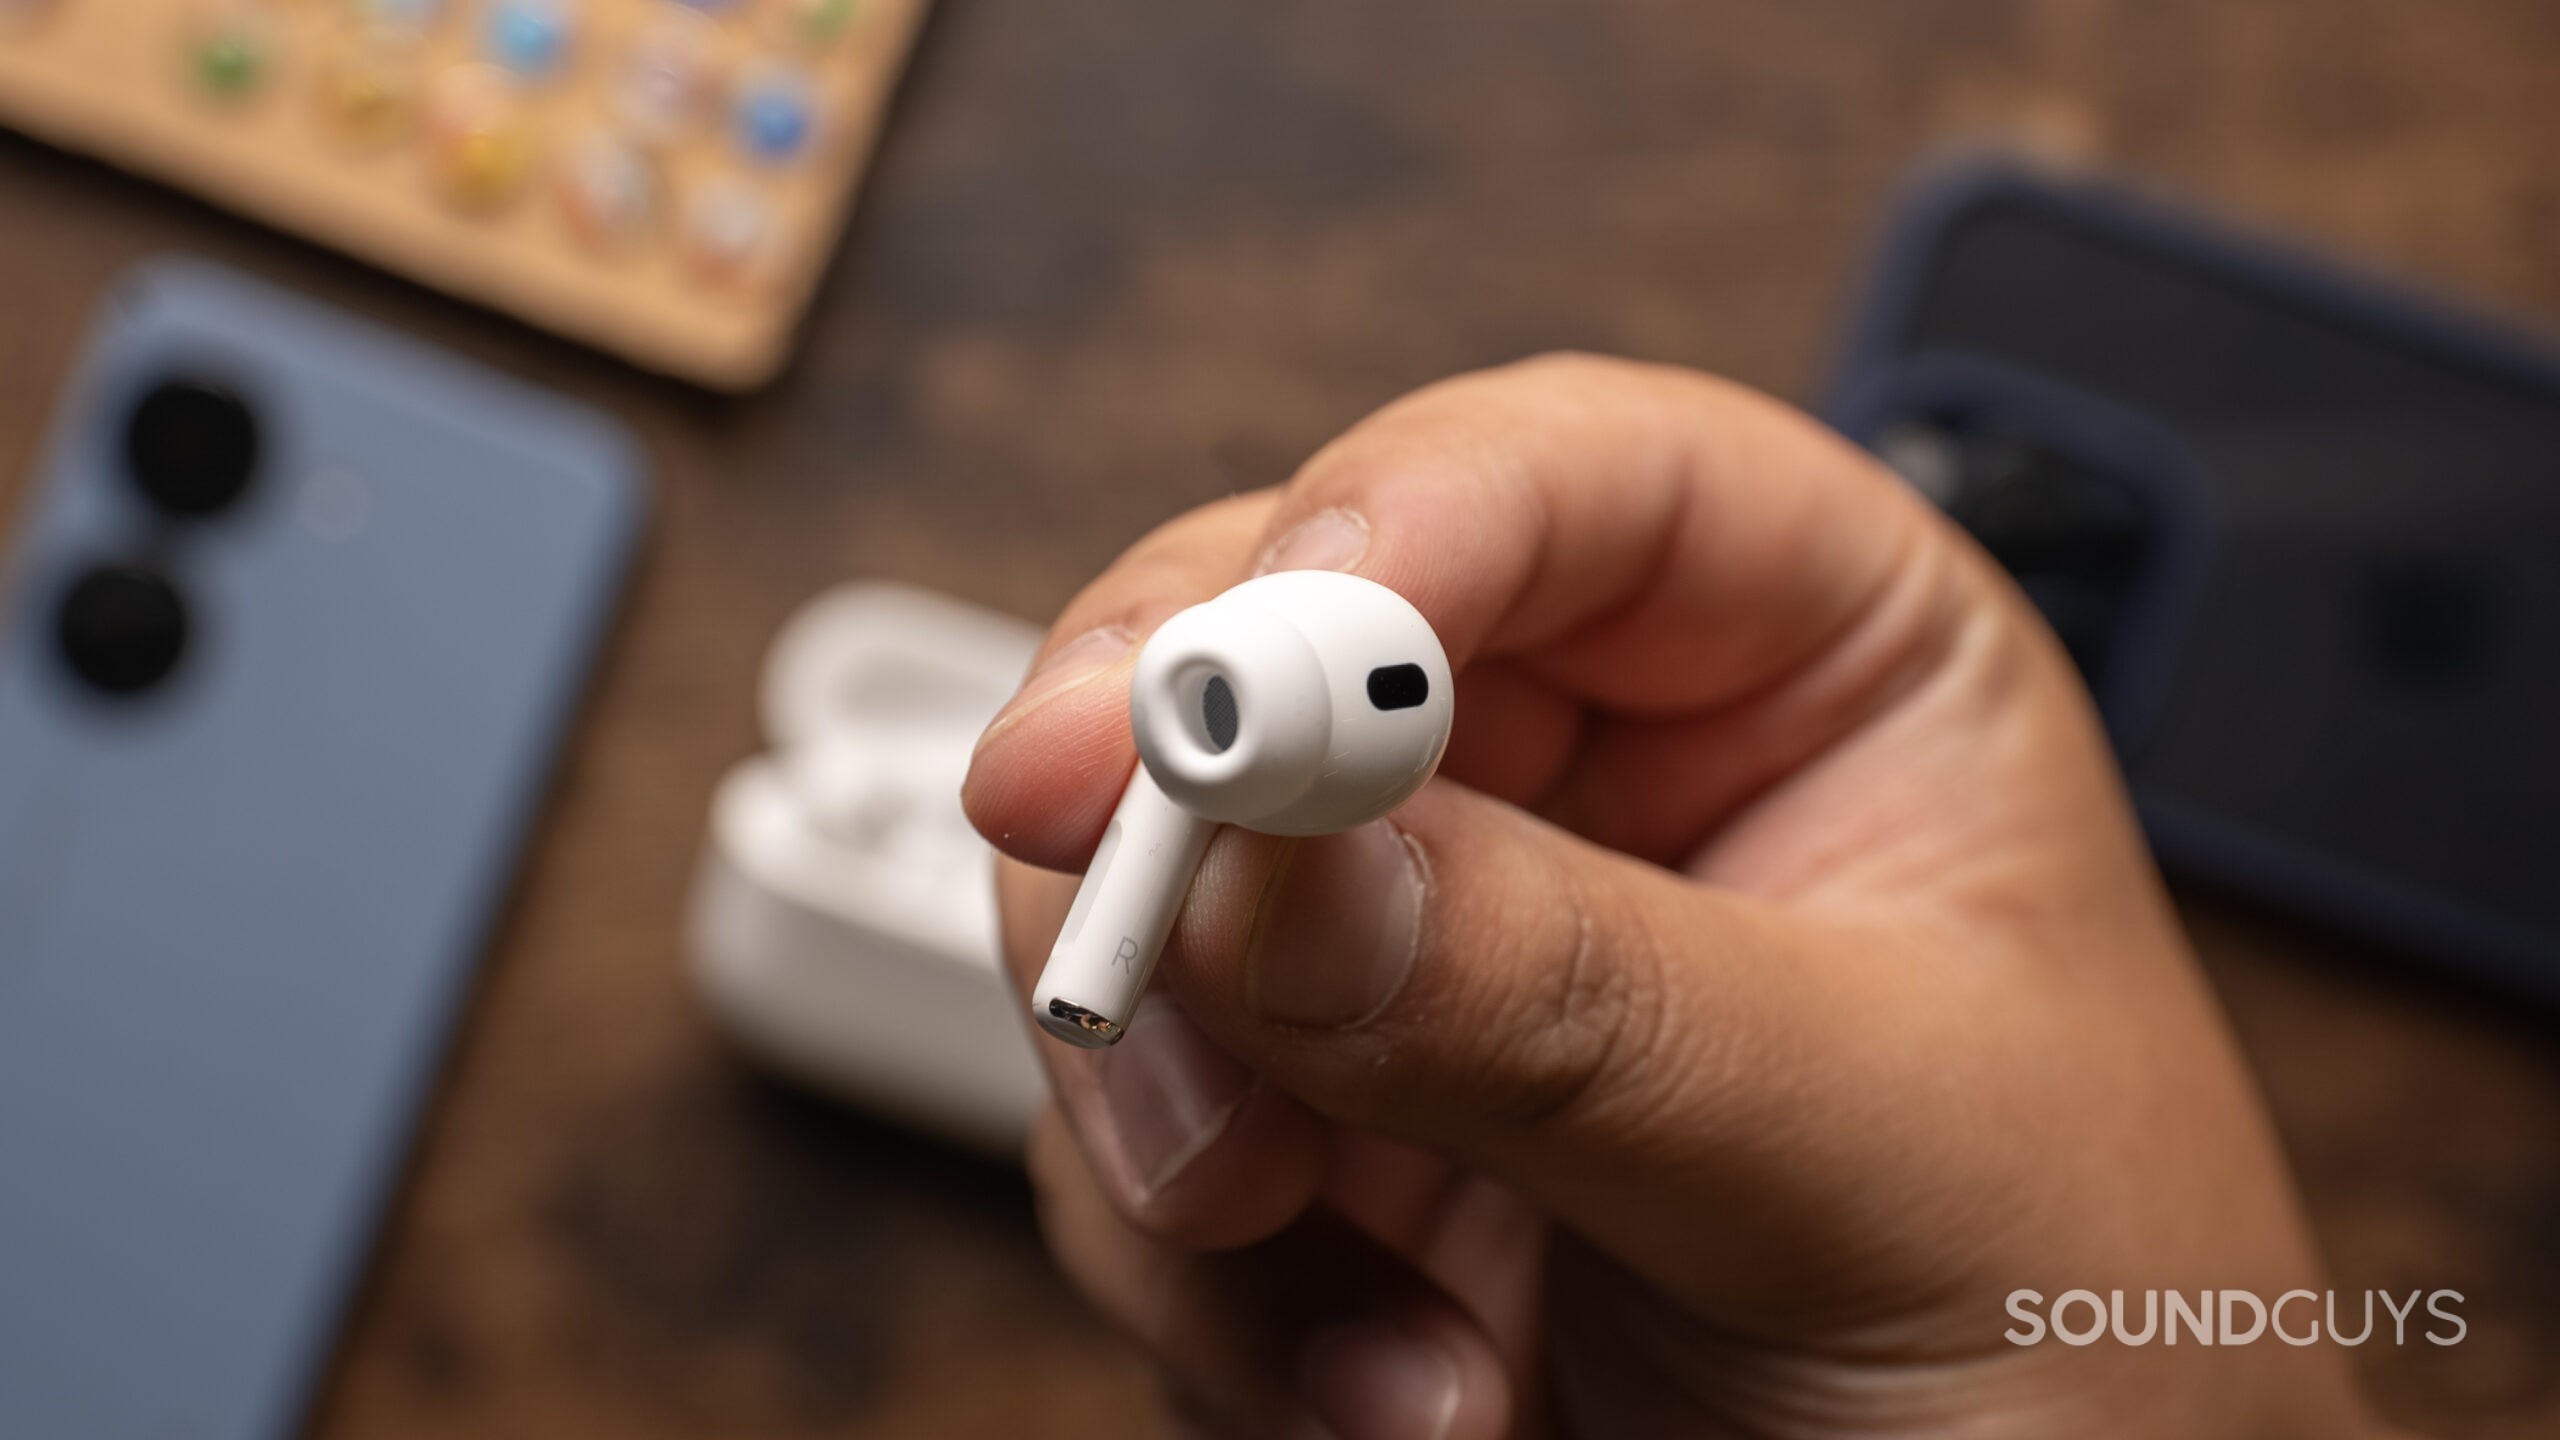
point(1647, 541)
point(1592, 516)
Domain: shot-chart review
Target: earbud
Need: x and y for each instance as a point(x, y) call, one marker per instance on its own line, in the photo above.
point(1300, 703)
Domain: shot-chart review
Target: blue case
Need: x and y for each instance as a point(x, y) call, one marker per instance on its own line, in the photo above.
point(2336, 679)
point(238, 913)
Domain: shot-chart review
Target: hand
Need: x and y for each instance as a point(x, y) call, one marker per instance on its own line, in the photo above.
point(1771, 983)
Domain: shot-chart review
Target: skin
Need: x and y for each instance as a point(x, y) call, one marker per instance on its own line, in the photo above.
point(1772, 980)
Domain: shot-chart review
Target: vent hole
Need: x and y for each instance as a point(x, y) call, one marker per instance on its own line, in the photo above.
point(1398, 687)
point(1218, 714)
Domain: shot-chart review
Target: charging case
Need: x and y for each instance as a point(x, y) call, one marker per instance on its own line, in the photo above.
point(842, 924)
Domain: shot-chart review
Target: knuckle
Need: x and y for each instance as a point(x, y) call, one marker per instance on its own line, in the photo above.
point(1577, 1026)
point(1179, 563)
point(1183, 536)
point(1567, 364)
point(1496, 389)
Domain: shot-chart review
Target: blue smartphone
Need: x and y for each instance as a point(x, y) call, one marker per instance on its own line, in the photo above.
point(292, 626)
point(2300, 529)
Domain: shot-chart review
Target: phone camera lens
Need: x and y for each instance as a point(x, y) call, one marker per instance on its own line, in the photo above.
point(191, 447)
point(121, 628)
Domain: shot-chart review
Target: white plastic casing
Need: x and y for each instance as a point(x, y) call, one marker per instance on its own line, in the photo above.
point(1301, 703)
point(842, 923)
point(1107, 948)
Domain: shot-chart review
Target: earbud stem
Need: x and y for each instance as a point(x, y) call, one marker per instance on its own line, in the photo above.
point(1124, 910)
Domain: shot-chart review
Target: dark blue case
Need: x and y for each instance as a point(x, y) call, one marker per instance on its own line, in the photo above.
point(2328, 461)
point(237, 914)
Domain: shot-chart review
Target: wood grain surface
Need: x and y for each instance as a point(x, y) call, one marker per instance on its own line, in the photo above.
point(1126, 255)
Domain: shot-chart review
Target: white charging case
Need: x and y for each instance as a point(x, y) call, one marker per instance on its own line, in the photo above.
point(842, 923)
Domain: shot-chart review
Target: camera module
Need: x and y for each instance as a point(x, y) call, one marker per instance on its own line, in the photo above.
point(191, 447)
point(121, 628)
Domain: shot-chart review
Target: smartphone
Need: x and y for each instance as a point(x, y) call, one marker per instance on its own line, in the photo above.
point(2300, 530)
point(295, 615)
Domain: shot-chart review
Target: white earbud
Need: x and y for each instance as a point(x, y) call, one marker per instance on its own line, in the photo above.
point(1300, 703)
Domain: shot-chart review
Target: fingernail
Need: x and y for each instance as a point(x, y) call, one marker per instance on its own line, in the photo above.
point(1070, 665)
point(1371, 1380)
point(1169, 1092)
point(1332, 539)
point(1336, 931)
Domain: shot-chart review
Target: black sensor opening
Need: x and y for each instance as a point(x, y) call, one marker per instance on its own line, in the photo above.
point(1398, 687)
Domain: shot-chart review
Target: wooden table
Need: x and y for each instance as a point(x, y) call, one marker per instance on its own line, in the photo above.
point(1126, 255)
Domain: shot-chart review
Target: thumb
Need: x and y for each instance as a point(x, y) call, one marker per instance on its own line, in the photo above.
point(1623, 1046)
